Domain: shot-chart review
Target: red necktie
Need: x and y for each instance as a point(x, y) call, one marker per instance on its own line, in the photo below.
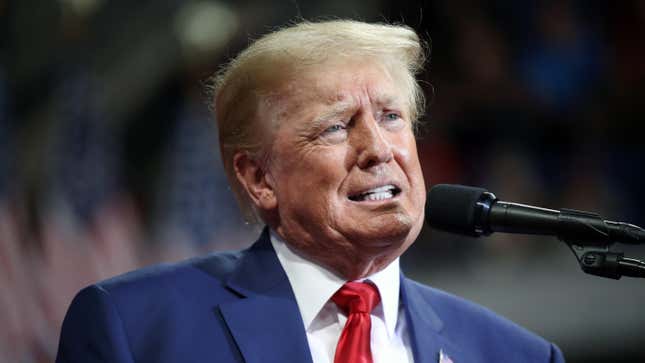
point(356, 299)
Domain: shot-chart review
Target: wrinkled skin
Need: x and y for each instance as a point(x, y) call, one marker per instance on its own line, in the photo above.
point(341, 130)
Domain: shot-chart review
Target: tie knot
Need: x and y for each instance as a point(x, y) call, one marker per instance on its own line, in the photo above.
point(357, 297)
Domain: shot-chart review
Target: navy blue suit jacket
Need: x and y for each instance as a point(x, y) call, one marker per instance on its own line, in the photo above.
point(239, 307)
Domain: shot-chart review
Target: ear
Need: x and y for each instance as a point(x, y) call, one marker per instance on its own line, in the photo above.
point(257, 183)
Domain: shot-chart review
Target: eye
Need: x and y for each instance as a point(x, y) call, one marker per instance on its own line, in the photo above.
point(392, 116)
point(334, 128)
point(392, 121)
point(334, 134)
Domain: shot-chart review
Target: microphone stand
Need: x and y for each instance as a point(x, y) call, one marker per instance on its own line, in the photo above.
point(600, 261)
point(589, 240)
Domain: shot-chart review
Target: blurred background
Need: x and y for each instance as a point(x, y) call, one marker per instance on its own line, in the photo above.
point(109, 161)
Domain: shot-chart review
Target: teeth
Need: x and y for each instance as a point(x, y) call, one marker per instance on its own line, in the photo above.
point(380, 196)
point(380, 193)
point(385, 188)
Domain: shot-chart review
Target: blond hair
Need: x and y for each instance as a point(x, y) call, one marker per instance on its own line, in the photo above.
point(244, 85)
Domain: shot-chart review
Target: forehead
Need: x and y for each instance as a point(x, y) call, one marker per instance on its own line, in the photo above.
point(339, 84)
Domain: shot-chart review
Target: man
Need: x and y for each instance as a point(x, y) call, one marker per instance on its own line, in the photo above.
point(316, 125)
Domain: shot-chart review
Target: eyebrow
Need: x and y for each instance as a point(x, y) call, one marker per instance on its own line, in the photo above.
point(341, 107)
point(336, 110)
point(388, 100)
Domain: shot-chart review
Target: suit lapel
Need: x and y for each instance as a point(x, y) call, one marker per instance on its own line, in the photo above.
point(265, 323)
point(425, 326)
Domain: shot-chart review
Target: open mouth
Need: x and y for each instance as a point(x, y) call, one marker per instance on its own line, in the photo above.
point(381, 193)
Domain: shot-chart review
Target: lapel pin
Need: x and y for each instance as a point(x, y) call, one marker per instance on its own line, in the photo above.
point(444, 358)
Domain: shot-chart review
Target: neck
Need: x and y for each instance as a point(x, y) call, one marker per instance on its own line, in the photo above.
point(349, 266)
point(358, 269)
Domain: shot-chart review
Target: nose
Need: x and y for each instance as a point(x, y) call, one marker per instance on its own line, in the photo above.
point(372, 145)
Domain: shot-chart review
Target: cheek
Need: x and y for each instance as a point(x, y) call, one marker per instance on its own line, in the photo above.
point(313, 176)
point(326, 166)
point(406, 151)
point(409, 161)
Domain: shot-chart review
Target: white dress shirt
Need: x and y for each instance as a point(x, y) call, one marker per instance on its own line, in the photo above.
point(313, 287)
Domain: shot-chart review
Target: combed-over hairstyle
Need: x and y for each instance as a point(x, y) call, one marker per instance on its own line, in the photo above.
point(242, 86)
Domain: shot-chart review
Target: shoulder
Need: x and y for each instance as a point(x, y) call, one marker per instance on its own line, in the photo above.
point(172, 280)
point(212, 266)
point(162, 294)
point(480, 329)
point(119, 317)
point(456, 311)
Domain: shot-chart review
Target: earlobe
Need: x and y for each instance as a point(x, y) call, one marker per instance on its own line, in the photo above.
point(255, 180)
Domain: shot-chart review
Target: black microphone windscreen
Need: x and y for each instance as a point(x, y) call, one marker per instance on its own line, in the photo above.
point(451, 208)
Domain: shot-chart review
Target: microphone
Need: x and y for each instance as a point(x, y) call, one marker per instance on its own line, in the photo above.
point(475, 212)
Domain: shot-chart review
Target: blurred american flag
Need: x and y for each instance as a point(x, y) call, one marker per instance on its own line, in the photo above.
point(195, 204)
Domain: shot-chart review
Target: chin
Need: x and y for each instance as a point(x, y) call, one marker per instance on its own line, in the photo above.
point(384, 233)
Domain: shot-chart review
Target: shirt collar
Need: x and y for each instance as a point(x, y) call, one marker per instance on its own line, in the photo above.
point(314, 285)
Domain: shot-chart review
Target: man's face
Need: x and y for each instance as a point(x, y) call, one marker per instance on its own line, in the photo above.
point(344, 167)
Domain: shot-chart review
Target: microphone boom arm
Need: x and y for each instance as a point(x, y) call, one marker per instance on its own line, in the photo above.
point(593, 255)
point(587, 234)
